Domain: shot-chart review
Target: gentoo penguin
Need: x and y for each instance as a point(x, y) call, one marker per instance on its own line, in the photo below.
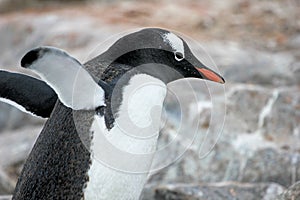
point(100, 139)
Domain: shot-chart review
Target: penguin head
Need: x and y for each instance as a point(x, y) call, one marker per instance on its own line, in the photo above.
point(160, 47)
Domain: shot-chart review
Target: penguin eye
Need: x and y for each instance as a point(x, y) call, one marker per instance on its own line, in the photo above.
point(178, 56)
point(100, 110)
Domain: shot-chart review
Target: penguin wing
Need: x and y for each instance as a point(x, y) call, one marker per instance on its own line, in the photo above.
point(27, 93)
point(72, 83)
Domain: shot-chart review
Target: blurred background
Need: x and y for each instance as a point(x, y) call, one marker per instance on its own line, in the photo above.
point(256, 46)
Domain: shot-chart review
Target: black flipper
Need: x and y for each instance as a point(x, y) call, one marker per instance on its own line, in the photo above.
point(34, 95)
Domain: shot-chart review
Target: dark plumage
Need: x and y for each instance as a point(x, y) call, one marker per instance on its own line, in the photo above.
point(31, 93)
point(57, 165)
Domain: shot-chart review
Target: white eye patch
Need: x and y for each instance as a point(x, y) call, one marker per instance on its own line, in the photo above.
point(178, 56)
point(176, 44)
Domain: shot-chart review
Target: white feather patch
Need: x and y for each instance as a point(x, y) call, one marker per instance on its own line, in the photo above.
point(175, 42)
point(122, 157)
point(72, 83)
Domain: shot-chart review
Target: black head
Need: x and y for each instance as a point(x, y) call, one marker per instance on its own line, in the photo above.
point(30, 57)
point(169, 56)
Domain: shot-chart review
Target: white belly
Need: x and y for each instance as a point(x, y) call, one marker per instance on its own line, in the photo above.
point(122, 157)
point(116, 174)
point(113, 185)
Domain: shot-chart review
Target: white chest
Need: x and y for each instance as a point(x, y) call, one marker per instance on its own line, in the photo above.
point(121, 157)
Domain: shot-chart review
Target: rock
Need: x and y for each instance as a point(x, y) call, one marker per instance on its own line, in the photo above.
point(148, 192)
point(216, 191)
point(291, 193)
point(20, 33)
point(240, 118)
point(282, 121)
point(243, 65)
point(274, 113)
point(270, 165)
point(16, 145)
point(5, 197)
point(296, 70)
point(244, 151)
point(6, 184)
point(5, 109)
point(13, 5)
point(294, 42)
point(11, 118)
point(226, 162)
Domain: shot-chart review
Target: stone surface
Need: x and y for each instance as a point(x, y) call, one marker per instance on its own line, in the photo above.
point(228, 164)
point(244, 106)
point(6, 184)
point(283, 121)
point(11, 118)
point(255, 46)
point(5, 197)
point(291, 193)
point(253, 66)
point(243, 152)
point(216, 191)
point(16, 145)
point(269, 165)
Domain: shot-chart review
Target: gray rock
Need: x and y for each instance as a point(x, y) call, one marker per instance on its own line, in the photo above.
point(224, 162)
point(257, 144)
point(5, 197)
point(16, 145)
point(244, 106)
point(270, 165)
point(6, 184)
point(246, 65)
point(216, 191)
point(291, 193)
point(5, 110)
point(294, 42)
point(282, 123)
point(11, 118)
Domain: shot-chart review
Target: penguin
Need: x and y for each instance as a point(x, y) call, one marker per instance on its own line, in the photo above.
point(101, 137)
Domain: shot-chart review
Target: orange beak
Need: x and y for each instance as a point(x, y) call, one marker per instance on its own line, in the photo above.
point(210, 75)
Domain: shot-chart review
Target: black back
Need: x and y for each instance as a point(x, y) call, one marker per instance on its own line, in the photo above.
point(57, 165)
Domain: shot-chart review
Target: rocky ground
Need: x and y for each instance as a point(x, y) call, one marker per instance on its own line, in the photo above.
point(240, 141)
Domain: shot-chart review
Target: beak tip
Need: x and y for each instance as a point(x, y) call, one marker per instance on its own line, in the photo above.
point(211, 75)
point(222, 81)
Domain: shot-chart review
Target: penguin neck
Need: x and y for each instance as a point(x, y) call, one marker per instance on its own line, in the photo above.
point(138, 117)
point(136, 124)
point(122, 156)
